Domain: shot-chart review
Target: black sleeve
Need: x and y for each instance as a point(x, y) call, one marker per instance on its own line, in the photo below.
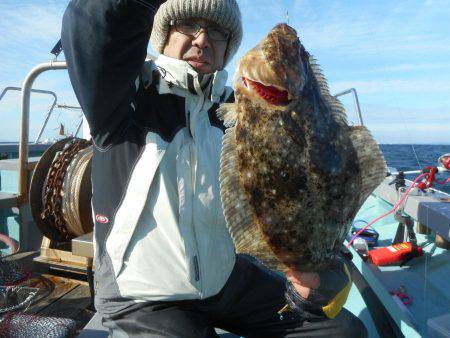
point(105, 45)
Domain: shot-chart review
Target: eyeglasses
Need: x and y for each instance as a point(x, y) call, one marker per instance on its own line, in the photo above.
point(190, 28)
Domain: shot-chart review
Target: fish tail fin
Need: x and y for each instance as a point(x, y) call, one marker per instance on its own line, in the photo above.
point(370, 160)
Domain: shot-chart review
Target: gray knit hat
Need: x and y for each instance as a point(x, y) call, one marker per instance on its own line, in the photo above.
point(224, 13)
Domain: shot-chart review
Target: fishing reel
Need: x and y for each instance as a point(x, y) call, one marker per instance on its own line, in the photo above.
point(428, 180)
point(399, 180)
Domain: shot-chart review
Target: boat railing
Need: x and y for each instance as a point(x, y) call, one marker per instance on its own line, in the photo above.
point(49, 111)
point(355, 97)
point(25, 121)
point(54, 105)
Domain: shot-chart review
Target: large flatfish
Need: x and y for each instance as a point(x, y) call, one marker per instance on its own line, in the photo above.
point(293, 171)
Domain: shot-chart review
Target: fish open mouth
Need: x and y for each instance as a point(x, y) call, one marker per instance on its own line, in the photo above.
point(270, 94)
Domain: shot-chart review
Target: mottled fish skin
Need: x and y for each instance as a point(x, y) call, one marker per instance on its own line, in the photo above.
point(297, 164)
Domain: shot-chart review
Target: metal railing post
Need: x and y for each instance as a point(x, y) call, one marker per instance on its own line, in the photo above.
point(47, 117)
point(355, 97)
point(49, 92)
point(25, 121)
point(78, 128)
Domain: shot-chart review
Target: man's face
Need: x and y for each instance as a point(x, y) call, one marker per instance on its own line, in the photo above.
point(204, 54)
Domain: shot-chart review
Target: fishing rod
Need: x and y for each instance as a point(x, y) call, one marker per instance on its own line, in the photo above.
point(414, 172)
point(427, 172)
point(396, 206)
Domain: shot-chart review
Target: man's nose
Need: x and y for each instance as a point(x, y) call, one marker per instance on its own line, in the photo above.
point(201, 40)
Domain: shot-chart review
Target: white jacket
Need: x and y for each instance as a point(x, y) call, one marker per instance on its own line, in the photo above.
point(170, 240)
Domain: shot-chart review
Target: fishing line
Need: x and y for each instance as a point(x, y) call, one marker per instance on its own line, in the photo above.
point(410, 138)
point(425, 284)
point(442, 182)
point(374, 41)
point(389, 212)
point(409, 189)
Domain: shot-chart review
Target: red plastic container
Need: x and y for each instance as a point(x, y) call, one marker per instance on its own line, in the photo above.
point(393, 254)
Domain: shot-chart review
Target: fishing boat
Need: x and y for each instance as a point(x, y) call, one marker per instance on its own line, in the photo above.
point(48, 245)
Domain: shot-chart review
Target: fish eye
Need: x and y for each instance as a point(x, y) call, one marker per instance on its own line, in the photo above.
point(284, 175)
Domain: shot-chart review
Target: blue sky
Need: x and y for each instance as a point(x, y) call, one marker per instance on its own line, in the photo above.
point(395, 53)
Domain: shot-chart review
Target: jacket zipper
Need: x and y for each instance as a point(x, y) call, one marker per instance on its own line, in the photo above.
point(195, 259)
point(197, 272)
point(188, 124)
point(196, 265)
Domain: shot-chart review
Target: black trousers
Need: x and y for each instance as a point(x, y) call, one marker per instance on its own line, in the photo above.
point(246, 306)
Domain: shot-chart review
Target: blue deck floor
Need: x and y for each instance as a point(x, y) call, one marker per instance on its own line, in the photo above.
point(356, 305)
point(426, 279)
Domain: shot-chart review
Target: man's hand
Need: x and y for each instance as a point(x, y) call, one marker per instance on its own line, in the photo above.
point(303, 281)
point(319, 294)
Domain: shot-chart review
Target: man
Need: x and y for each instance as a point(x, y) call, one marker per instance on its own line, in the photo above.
point(165, 262)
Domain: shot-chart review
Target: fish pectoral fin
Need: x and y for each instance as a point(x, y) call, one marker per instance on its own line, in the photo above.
point(227, 113)
point(370, 160)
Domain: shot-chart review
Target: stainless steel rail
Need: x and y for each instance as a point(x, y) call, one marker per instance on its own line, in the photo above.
point(25, 121)
point(49, 112)
point(355, 96)
point(40, 91)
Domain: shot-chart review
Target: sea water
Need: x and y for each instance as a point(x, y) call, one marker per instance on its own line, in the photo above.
point(399, 156)
point(403, 157)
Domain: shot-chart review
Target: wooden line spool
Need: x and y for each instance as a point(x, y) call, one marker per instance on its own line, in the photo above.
point(76, 211)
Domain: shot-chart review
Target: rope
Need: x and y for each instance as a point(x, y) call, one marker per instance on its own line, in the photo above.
point(11, 243)
point(71, 190)
point(14, 298)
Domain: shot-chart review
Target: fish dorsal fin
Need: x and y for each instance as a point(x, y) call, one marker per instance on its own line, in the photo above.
point(241, 221)
point(370, 161)
point(320, 78)
point(227, 113)
point(369, 156)
point(337, 109)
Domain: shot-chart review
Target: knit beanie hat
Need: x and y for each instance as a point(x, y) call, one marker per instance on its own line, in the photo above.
point(224, 13)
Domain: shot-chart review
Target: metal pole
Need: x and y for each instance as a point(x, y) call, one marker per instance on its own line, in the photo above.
point(47, 117)
point(40, 91)
point(65, 106)
point(79, 127)
point(355, 97)
point(411, 172)
point(25, 121)
point(55, 99)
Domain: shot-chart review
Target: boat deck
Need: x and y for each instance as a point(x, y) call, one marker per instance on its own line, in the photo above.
point(67, 296)
point(424, 278)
